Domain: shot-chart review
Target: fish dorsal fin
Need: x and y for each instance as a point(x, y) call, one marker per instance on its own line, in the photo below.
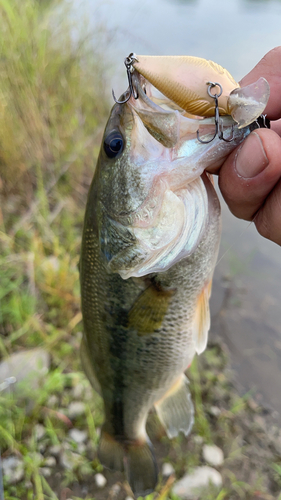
point(175, 408)
point(149, 310)
point(201, 322)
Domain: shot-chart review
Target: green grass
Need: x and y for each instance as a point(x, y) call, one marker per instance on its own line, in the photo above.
point(52, 113)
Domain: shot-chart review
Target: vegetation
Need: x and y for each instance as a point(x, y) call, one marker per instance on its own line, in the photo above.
point(52, 114)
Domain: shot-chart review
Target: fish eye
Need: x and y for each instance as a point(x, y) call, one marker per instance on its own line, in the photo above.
point(113, 144)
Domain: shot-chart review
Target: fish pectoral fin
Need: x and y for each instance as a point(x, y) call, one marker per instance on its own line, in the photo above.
point(88, 366)
point(201, 322)
point(110, 451)
point(141, 468)
point(175, 409)
point(148, 311)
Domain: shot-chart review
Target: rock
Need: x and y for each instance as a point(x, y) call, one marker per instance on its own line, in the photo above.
point(26, 366)
point(78, 436)
point(167, 470)
point(78, 391)
point(70, 460)
point(50, 462)
point(192, 483)
point(114, 491)
point(76, 409)
point(81, 448)
point(42, 447)
point(13, 469)
point(215, 410)
point(100, 480)
point(213, 455)
point(53, 401)
point(40, 431)
point(198, 439)
point(45, 471)
point(55, 449)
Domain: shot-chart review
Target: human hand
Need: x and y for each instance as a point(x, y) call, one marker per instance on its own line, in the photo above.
point(250, 178)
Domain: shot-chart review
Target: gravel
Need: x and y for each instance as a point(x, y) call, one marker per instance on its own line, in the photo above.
point(100, 480)
point(13, 469)
point(193, 483)
point(213, 455)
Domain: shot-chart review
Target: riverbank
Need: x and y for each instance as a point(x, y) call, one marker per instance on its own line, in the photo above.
point(52, 118)
point(60, 422)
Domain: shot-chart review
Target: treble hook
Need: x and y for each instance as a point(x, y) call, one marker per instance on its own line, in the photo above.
point(128, 61)
point(218, 122)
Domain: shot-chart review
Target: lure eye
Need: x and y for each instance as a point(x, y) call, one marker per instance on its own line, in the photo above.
point(113, 144)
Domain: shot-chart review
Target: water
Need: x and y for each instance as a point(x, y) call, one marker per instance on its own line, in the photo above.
point(235, 34)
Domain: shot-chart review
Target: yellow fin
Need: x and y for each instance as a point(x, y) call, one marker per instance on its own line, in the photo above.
point(149, 310)
point(175, 408)
point(141, 468)
point(110, 452)
point(201, 322)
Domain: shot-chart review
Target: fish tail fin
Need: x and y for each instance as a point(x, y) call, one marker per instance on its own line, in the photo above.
point(141, 468)
point(110, 451)
point(175, 409)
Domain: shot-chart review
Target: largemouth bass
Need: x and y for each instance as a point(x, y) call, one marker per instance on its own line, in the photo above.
point(150, 243)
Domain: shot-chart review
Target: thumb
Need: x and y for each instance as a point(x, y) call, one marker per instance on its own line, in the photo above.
point(250, 182)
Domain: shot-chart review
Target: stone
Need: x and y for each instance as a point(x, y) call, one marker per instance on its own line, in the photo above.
point(191, 484)
point(25, 366)
point(40, 431)
point(81, 448)
point(213, 455)
point(70, 460)
point(100, 480)
point(215, 411)
point(45, 471)
point(198, 439)
point(167, 469)
point(55, 449)
point(76, 409)
point(50, 462)
point(13, 469)
point(78, 391)
point(53, 401)
point(78, 436)
point(114, 491)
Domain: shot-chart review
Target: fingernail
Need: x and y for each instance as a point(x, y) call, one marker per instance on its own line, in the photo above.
point(251, 160)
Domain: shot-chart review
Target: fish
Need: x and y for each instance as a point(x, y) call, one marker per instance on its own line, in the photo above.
point(149, 248)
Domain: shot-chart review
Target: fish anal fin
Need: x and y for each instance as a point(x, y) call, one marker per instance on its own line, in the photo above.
point(141, 468)
point(110, 451)
point(175, 409)
point(149, 310)
point(201, 322)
